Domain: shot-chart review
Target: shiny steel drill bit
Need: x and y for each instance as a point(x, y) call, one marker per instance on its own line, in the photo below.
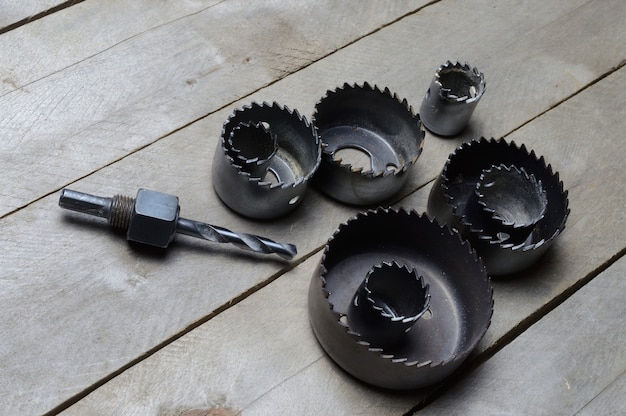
point(152, 218)
point(242, 240)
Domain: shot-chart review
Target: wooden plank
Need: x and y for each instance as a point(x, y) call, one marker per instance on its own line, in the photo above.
point(237, 357)
point(574, 257)
point(135, 286)
point(121, 93)
point(14, 12)
point(48, 302)
point(71, 27)
point(150, 161)
point(177, 376)
point(611, 401)
point(527, 70)
point(562, 362)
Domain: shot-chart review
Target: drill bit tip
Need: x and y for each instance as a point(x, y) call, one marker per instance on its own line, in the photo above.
point(242, 240)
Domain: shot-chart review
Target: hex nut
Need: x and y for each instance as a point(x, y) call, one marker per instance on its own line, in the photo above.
point(154, 218)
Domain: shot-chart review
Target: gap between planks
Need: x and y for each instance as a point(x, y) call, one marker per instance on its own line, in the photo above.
point(76, 398)
point(591, 405)
point(39, 15)
point(470, 365)
point(558, 103)
point(184, 126)
point(533, 318)
point(226, 105)
point(476, 361)
point(22, 86)
point(260, 285)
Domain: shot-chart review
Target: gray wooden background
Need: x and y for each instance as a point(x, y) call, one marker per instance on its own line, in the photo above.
point(107, 97)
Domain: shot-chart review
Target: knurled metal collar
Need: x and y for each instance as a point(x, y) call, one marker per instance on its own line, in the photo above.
point(265, 158)
point(458, 304)
point(531, 190)
point(376, 125)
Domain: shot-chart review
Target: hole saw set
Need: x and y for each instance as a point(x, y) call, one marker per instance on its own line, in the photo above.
point(399, 299)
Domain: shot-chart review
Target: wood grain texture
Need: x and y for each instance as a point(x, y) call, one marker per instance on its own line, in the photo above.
point(82, 304)
point(14, 12)
point(562, 362)
point(97, 297)
point(253, 350)
point(611, 401)
point(31, 54)
point(132, 86)
point(181, 375)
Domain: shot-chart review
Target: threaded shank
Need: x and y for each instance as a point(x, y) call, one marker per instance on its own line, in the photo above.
point(121, 211)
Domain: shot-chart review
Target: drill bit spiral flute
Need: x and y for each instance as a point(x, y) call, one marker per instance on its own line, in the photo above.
point(152, 218)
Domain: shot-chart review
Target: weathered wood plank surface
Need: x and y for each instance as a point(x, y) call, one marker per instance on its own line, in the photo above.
point(611, 401)
point(15, 12)
point(31, 54)
point(80, 304)
point(229, 359)
point(166, 65)
point(51, 298)
point(563, 362)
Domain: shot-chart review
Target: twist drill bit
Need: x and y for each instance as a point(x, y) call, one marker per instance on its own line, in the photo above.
point(152, 218)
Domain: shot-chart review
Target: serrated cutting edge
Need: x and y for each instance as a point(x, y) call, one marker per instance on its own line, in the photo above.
point(446, 335)
point(471, 83)
point(288, 168)
point(448, 201)
point(251, 144)
point(406, 270)
point(384, 92)
point(513, 202)
point(378, 126)
point(452, 97)
point(526, 185)
point(486, 214)
point(250, 147)
point(388, 302)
